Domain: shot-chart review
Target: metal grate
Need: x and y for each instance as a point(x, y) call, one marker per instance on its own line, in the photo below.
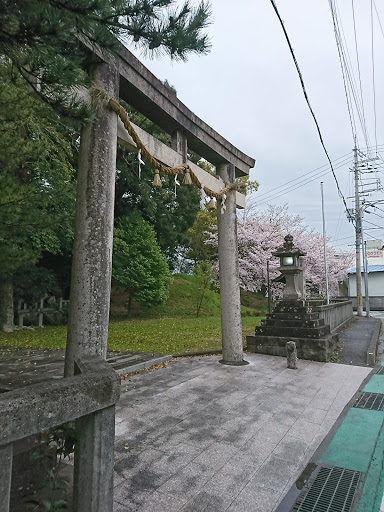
point(381, 371)
point(332, 490)
point(372, 401)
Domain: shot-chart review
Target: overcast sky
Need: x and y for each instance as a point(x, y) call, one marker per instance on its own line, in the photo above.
point(248, 90)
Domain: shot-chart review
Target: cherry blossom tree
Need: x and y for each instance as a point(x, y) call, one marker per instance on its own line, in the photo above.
point(261, 232)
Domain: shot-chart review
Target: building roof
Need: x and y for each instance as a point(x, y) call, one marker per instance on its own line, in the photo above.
point(371, 268)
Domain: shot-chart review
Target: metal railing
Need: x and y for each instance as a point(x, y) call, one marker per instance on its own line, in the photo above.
point(89, 397)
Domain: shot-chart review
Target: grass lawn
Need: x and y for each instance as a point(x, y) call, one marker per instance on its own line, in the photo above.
point(166, 335)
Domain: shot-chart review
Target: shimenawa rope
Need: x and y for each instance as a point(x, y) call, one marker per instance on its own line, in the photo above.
point(189, 176)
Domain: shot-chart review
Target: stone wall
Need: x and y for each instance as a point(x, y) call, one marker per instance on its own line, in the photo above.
point(319, 349)
point(336, 314)
point(376, 303)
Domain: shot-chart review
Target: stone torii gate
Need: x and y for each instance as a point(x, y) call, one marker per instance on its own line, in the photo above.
point(127, 78)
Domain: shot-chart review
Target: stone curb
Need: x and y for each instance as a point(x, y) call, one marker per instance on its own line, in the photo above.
point(194, 354)
point(372, 349)
point(145, 364)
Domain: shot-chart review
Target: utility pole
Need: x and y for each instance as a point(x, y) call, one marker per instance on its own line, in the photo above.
point(366, 277)
point(355, 215)
point(358, 233)
point(324, 244)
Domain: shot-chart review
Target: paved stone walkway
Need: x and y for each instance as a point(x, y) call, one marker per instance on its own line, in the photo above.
point(21, 367)
point(355, 341)
point(199, 436)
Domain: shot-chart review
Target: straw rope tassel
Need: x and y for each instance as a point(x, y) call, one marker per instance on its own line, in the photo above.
point(156, 179)
point(187, 178)
point(211, 205)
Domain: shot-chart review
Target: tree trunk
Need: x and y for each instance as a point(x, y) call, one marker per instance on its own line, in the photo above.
point(129, 303)
point(6, 305)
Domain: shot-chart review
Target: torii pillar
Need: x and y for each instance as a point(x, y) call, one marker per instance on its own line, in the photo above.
point(92, 251)
point(231, 329)
point(90, 291)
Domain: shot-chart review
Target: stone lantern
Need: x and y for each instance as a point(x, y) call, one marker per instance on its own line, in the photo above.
point(290, 268)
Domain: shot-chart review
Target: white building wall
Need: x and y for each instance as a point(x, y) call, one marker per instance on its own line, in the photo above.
point(375, 284)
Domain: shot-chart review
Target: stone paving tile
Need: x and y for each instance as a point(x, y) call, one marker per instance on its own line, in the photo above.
point(176, 458)
point(231, 478)
point(127, 507)
point(223, 439)
point(132, 494)
point(304, 430)
point(303, 387)
point(210, 501)
point(188, 481)
point(237, 436)
point(232, 399)
point(169, 439)
point(291, 448)
point(133, 461)
point(160, 502)
point(331, 416)
point(287, 416)
point(134, 442)
point(321, 403)
point(314, 415)
point(261, 500)
point(203, 437)
point(198, 420)
point(216, 455)
point(274, 474)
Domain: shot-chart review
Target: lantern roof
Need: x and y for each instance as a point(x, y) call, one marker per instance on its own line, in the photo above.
point(288, 248)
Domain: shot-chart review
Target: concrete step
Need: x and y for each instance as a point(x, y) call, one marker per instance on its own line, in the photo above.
point(293, 309)
point(283, 322)
point(295, 332)
point(293, 315)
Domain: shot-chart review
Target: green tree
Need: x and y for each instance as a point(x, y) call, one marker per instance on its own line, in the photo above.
point(171, 212)
point(170, 215)
point(37, 183)
point(47, 43)
point(204, 225)
point(138, 263)
point(44, 39)
point(202, 290)
point(248, 185)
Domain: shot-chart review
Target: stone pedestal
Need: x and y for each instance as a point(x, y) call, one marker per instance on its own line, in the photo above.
point(293, 320)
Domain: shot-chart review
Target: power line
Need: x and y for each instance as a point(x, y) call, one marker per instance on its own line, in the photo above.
point(302, 181)
point(307, 99)
point(345, 238)
point(373, 73)
point(338, 225)
point(373, 224)
point(346, 156)
point(350, 111)
point(299, 185)
point(378, 18)
point(346, 64)
point(358, 61)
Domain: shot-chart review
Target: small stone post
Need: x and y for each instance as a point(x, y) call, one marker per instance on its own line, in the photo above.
point(291, 355)
point(229, 274)
point(92, 251)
